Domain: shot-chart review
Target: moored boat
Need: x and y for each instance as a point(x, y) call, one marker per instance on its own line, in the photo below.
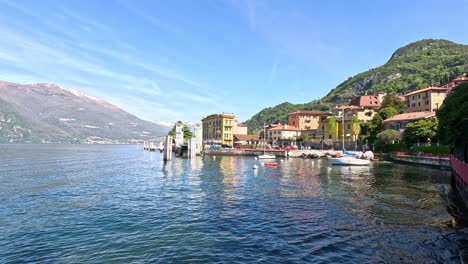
point(349, 161)
point(266, 156)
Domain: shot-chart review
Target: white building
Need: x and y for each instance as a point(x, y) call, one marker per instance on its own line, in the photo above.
point(283, 132)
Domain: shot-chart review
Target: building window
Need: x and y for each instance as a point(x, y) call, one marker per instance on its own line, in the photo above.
point(419, 103)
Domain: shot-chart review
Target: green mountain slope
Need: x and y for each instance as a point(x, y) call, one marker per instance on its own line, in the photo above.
point(420, 64)
point(417, 65)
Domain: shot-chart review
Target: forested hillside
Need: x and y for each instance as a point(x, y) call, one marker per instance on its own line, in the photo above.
point(420, 64)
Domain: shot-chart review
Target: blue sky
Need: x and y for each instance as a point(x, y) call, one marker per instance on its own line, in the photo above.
point(182, 60)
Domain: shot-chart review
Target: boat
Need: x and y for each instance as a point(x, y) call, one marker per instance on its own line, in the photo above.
point(265, 156)
point(349, 160)
point(271, 164)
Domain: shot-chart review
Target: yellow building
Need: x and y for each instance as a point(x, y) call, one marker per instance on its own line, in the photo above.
point(345, 126)
point(218, 129)
point(425, 100)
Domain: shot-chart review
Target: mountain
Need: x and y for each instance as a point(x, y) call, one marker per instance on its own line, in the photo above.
point(420, 64)
point(417, 65)
point(48, 113)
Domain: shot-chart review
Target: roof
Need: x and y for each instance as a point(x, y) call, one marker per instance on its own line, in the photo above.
point(346, 107)
point(214, 116)
point(410, 116)
point(241, 125)
point(366, 101)
point(241, 137)
point(310, 112)
point(284, 128)
point(426, 89)
point(461, 79)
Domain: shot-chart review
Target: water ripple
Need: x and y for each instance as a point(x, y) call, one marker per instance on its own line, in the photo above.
point(119, 204)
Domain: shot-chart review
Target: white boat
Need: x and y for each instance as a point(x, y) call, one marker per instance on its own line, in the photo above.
point(265, 156)
point(347, 160)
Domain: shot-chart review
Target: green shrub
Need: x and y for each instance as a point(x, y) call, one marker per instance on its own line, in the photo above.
point(432, 149)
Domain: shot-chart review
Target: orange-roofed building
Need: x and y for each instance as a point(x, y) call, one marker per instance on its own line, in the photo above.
point(307, 119)
point(398, 122)
point(428, 99)
point(368, 101)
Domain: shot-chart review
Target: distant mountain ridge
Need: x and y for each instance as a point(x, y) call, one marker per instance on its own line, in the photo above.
point(423, 63)
point(47, 113)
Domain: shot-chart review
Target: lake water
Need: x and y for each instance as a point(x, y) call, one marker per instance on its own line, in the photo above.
point(120, 204)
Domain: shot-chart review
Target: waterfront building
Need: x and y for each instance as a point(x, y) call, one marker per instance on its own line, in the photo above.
point(282, 133)
point(398, 122)
point(346, 123)
point(428, 99)
point(307, 119)
point(239, 128)
point(218, 129)
point(241, 139)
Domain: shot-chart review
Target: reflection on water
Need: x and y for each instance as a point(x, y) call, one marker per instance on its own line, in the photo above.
point(72, 203)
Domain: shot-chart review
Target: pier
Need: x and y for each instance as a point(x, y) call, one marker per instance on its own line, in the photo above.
point(440, 162)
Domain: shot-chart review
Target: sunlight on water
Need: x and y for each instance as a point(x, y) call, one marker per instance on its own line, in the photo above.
point(79, 203)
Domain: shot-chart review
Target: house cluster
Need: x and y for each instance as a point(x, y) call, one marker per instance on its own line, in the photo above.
point(422, 104)
point(224, 130)
point(314, 125)
point(325, 127)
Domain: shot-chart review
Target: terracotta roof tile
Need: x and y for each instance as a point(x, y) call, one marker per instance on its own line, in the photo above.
point(284, 128)
point(345, 107)
point(413, 116)
point(426, 89)
point(310, 112)
point(461, 79)
point(241, 137)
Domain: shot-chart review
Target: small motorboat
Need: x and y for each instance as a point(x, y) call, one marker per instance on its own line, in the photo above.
point(266, 156)
point(271, 164)
point(348, 160)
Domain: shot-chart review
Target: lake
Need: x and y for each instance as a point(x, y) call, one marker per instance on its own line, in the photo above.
point(120, 204)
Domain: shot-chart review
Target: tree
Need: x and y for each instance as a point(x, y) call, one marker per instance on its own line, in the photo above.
point(376, 124)
point(387, 112)
point(185, 129)
point(332, 127)
point(388, 136)
point(355, 126)
point(394, 101)
point(420, 131)
point(453, 115)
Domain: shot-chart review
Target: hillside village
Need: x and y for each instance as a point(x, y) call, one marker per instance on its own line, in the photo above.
point(353, 125)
